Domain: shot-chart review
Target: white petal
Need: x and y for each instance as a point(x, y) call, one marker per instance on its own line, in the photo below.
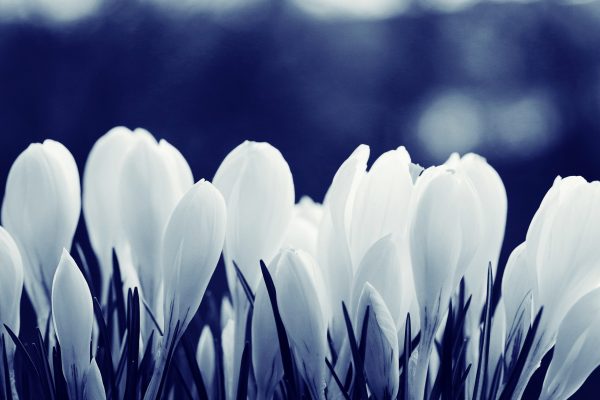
point(226, 312)
point(40, 210)
point(382, 269)
point(93, 388)
point(381, 204)
point(11, 281)
point(150, 186)
point(192, 244)
point(73, 317)
point(382, 356)
point(257, 185)
point(206, 359)
point(227, 343)
point(266, 358)
point(100, 193)
point(301, 313)
point(577, 350)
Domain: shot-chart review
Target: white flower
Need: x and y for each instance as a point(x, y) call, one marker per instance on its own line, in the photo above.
point(577, 349)
point(299, 303)
point(257, 185)
point(154, 176)
point(226, 312)
point(333, 251)
point(11, 281)
point(205, 355)
point(40, 210)
point(73, 317)
point(519, 294)
point(303, 231)
point(227, 343)
point(266, 357)
point(381, 203)
point(382, 354)
point(101, 197)
point(93, 388)
point(192, 244)
point(445, 231)
point(382, 269)
point(258, 188)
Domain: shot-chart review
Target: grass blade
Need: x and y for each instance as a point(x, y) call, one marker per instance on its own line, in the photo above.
point(194, 368)
point(247, 289)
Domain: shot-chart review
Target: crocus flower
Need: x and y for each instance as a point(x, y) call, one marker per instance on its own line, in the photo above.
point(382, 356)
point(562, 246)
point(101, 197)
point(73, 317)
point(205, 355)
point(492, 196)
point(192, 244)
point(577, 349)
point(11, 287)
point(40, 210)
point(93, 388)
point(300, 305)
point(266, 357)
point(445, 231)
point(227, 344)
point(258, 188)
point(303, 230)
point(154, 176)
point(11, 281)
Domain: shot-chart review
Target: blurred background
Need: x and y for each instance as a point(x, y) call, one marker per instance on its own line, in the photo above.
point(518, 82)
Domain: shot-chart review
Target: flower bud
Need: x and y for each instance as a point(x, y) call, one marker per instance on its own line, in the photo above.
point(40, 210)
point(257, 185)
point(93, 388)
point(154, 177)
point(382, 269)
point(192, 245)
point(299, 303)
point(266, 357)
point(227, 344)
point(445, 232)
point(205, 355)
point(101, 197)
point(11, 281)
point(226, 312)
point(519, 294)
point(303, 230)
point(444, 235)
point(382, 355)
point(577, 349)
point(381, 203)
point(333, 251)
point(73, 316)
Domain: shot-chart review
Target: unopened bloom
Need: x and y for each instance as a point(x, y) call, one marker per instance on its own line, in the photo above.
point(73, 317)
point(154, 176)
point(577, 349)
point(227, 344)
point(257, 185)
point(303, 230)
point(205, 355)
point(101, 197)
point(192, 244)
point(382, 355)
point(562, 248)
point(258, 188)
point(300, 305)
point(266, 357)
point(381, 268)
point(492, 197)
point(11, 281)
point(445, 231)
point(93, 388)
point(40, 210)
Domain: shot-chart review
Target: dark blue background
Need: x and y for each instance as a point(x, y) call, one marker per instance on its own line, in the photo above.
point(313, 88)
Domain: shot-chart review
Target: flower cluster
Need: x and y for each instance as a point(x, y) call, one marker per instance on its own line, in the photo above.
point(385, 291)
